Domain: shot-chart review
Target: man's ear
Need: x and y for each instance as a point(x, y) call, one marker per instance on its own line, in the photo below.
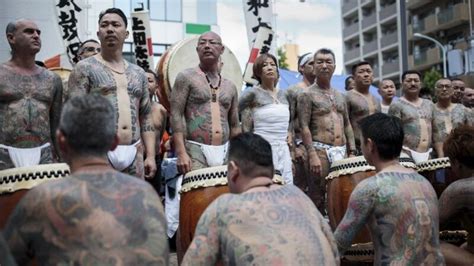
point(61, 141)
point(233, 171)
point(371, 145)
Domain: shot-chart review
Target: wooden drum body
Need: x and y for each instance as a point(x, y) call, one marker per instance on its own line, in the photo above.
point(438, 172)
point(15, 182)
point(199, 188)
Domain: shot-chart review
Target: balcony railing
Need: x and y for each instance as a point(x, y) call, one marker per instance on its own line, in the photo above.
point(348, 31)
point(369, 20)
point(449, 17)
point(427, 58)
point(412, 4)
point(389, 39)
point(348, 5)
point(388, 11)
point(351, 54)
point(390, 67)
point(370, 47)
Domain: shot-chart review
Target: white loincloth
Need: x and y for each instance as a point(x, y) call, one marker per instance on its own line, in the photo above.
point(25, 156)
point(123, 156)
point(215, 154)
point(172, 208)
point(418, 157)
point(271, 121)
point(334, 153)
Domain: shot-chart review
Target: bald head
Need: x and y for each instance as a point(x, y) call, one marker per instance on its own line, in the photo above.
point(211, 35)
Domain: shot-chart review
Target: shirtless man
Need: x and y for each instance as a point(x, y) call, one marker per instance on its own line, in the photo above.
point(305, 68)
point(458, 87)
point(387, 92)
point(96, 216)
point(203, 109)
point(324, 123)
point(88, 48)
point(261, 223)
point(416, 115)
point(447, 115)
point(456, 202)
point(399, 205)
point(349, 83)
point(468, 98)
point(360, 103)
point(30, 101)
point(126, 86)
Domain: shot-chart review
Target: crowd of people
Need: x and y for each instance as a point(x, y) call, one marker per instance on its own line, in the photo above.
point(107, 124)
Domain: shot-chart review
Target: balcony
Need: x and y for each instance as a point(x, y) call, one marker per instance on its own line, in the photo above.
point(348, 31)
point(348, 5)
point(430, 24)
point(388, 11)
point(369, 21)
point(426, 59)
point(389, 39)
point(390, 67)
point(351, 54)
point(451, 17)
point(413, 4)
point(370, 47)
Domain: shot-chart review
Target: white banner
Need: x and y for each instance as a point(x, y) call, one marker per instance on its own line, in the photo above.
point(258, 14)
point(68, 21)
point(262, 45)
point(141, 31)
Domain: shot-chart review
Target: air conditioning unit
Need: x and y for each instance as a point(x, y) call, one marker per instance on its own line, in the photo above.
point(470, 60)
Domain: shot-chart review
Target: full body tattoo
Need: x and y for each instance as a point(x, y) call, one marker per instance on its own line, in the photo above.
point(263, 228)
point(30, 108)
point(134, 115)
point(446, 120)
point(103, 218)
point(416, 121)
point(401, 210)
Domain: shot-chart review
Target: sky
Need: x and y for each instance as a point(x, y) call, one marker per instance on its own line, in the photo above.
point(312, 24)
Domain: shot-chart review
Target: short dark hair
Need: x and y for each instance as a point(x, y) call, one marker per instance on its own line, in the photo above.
point(410, 72)
point(11, 27)
point(361, 63)
point(386, 132)
point(89, 124)
point(86, 41)
point(347, 81)
point(459, 145)
point(325, 51)
point(258, 65)
point(456, 79)
point(114, 10)
point(252, 153)
point(152, 72)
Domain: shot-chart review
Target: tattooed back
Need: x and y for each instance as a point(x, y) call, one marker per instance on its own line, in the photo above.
point(401, 210)
point(106, 218)
point(279, 226)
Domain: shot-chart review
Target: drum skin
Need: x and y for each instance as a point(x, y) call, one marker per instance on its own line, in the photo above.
point(193, 204)
point(338, 193)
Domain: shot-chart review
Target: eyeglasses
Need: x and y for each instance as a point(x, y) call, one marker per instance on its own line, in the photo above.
point(92, 49)
point(211, 42)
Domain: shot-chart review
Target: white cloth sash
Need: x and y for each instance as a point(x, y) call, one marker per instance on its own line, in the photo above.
point(334, 153)
point(271, 122)
point(123, 156)
point(22, 157)
point(215, 154)
point(419, 157)
point(172, 208)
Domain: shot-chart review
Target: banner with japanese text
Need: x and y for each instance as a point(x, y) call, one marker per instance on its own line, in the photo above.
point(262, 45)
point(68, 19)
point(141, 31)
point(258, 14)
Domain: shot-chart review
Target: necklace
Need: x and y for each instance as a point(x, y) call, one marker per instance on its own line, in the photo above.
point(213, 88)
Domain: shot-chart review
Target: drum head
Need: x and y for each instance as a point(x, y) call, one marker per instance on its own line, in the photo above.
point(183, 55)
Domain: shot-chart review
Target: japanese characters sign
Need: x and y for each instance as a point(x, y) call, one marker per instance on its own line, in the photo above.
point(141, 31)
point(262, 45)
point(258, 14)
point(67, 20)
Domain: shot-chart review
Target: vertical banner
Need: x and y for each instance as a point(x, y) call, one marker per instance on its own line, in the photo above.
point(258, 14)
point(262, 45)
point(67, 20)
point(142, 39)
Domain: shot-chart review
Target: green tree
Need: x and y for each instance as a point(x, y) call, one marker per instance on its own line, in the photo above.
point(430, 78)
point(282, 58)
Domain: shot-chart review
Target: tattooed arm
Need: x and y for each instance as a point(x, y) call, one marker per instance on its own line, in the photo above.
point(329, 236)
point(246, 103)
point(395, 110)
point(439, 129)
point(147, 130)
point(179, 98)
point(350, 139)
point(358, 210)
point(291, 131)
point(78, 82)
point(304, 112)
point(204, 249)
point(233, 117)
point(55, 111)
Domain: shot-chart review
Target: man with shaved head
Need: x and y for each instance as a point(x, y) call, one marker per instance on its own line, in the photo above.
point(203, 109)
point(447, 115)
point(30, 101)
point(468, 97)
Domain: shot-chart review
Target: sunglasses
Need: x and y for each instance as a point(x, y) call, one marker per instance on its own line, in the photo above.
point(92, 49)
